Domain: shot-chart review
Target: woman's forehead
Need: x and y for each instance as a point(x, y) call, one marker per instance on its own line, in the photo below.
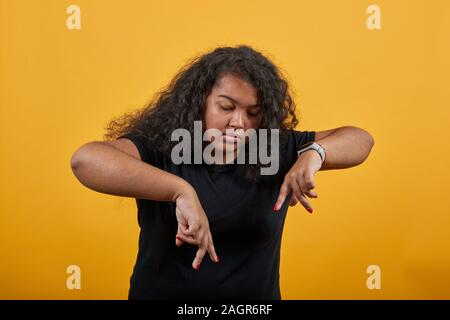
point(236, 90)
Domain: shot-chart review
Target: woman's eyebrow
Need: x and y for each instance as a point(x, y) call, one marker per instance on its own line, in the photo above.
point(235, 101)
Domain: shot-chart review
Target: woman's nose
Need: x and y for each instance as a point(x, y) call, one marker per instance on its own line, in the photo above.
point(237, 120)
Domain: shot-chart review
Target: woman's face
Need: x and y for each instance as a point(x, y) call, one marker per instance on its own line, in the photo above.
point(232, 105)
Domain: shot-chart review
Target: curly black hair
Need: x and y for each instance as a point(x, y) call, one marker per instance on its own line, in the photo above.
point(183, 101)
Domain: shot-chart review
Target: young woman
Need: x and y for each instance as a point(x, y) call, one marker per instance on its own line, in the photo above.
point(225, 209)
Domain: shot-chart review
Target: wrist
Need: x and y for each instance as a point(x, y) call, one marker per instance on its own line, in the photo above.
point(311, 153)
point(315, 147)
point(182, 187)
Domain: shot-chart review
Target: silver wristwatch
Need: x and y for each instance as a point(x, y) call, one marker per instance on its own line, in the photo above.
point(313, 146)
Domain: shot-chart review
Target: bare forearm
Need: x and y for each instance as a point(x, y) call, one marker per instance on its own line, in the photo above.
point(107, 170)
point(346, 147)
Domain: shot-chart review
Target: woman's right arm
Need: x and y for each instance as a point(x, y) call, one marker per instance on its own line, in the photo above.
point(114, 167)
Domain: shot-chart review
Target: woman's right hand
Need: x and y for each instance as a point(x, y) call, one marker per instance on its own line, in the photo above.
point(193, 226)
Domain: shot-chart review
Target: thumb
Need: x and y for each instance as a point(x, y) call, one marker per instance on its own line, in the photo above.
point(284, 191)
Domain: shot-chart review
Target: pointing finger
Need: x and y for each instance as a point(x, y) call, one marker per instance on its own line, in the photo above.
point(284, 191)
point(212, 250)
point(199, 257)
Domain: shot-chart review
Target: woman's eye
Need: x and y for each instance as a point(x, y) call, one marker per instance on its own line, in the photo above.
point(253, 114)
point(226, 108)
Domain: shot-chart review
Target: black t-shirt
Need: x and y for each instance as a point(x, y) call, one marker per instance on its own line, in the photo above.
point(246, 232)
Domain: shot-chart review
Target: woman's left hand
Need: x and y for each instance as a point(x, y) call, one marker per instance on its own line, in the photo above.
point(300, 180)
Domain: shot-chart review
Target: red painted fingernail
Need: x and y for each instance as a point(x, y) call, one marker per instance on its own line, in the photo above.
point(217, 259)
point(274, 208)
point(310, 210)
point(197, 266)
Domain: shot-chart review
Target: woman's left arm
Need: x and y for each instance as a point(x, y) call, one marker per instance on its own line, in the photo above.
point(345, 147)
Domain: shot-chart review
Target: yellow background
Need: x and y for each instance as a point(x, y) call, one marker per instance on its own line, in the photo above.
point(59, 88)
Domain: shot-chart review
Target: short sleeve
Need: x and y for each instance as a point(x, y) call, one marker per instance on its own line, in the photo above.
point(145, 154)
point(302, 137)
